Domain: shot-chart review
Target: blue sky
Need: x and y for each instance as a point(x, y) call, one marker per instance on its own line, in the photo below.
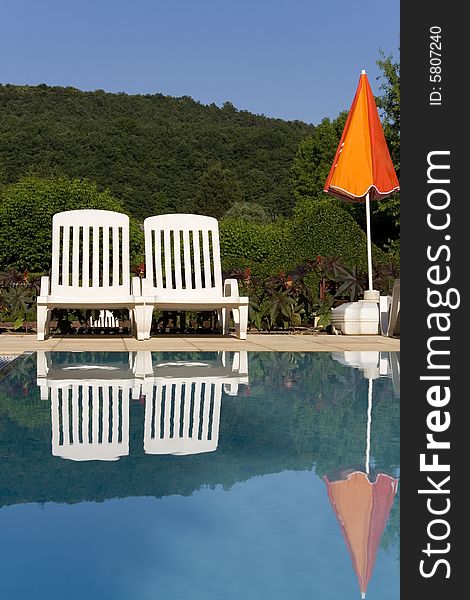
point(292, 59)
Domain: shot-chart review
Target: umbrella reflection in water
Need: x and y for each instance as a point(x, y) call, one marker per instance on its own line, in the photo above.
point(362, 500)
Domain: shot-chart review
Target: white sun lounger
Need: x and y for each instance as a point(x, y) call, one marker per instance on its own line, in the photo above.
point(183, 270)
point(90, 267)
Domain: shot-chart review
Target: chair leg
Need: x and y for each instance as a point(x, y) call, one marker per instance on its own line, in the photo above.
point(236, 319)
point(243, 324)
point(392, 317)
point(43, 321)
point(220, 324)
point(224, 317)
point(240, 318)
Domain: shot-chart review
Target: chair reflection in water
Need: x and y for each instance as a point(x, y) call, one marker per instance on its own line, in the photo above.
point(90, 403)
point(89, 407)
point(183, 401)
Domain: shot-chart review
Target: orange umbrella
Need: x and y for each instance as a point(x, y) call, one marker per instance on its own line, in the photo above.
point(362, 168)
point(362, 508)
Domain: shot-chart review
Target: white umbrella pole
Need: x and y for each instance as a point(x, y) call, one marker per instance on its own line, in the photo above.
point(369, 423)
point(369, 242)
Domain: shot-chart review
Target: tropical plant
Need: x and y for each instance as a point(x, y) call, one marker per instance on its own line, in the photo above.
point(18, 291)
point(384, 277)
point(323, 311)
point(350, 280)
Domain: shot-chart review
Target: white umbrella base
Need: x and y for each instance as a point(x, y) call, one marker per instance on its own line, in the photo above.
point(356, 318)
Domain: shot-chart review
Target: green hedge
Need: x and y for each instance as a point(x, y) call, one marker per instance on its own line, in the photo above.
point(26, 211)
point(319, 227)
point(250, 244)
point(324, 228)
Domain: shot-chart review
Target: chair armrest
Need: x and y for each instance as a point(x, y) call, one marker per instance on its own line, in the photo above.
point(231, 288)
point(44, 286)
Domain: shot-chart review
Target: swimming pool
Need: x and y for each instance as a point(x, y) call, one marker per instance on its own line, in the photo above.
point(199, 476)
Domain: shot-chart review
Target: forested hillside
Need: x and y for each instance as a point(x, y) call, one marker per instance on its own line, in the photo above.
point(155, 153)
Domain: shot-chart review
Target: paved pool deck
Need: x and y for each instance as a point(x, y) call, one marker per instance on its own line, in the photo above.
point(13, 344)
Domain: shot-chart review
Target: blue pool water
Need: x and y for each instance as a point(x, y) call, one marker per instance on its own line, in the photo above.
point(183, 476)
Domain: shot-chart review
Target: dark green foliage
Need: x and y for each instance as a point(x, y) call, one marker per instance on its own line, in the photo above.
point(279, 302)
point(26, 211)
point(293, 299)
point(150, 151)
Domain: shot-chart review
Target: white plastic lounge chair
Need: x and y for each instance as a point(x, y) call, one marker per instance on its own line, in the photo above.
point(90, 267)
point(389, 307)
point(89, 407)
point(183, 271)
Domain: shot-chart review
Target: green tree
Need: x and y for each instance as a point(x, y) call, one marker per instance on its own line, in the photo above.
point(313, 159)
point(26, 211)
point(218, 191)
point(148, 150)
point(389, 105)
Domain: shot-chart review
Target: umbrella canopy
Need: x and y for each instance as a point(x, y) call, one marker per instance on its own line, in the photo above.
point(362, 163)
point(362, 168)
point(362, 508)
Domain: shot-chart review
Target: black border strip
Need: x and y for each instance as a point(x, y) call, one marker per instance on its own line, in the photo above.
point(437, 125)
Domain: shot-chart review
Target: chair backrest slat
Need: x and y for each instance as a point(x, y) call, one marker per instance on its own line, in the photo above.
point(116, 254)
point(86, 258)
point(75, 255)
point(207, 259)
point(167, 255)
point(95, 257)
point(177, 259)
point(156, 259)
point(65, 255)
point(85, 243)
point(187, 260)
point(186, 248)
point(105, 256)
point(197, 261)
